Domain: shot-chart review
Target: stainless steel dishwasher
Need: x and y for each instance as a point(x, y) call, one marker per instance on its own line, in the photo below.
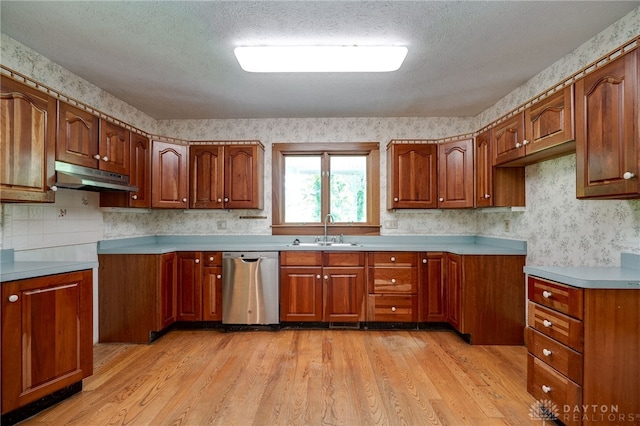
point(250, 288)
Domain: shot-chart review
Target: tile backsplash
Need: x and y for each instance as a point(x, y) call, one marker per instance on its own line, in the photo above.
point(558, 228)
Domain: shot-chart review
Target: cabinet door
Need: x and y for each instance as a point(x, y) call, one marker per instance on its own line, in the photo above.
point(47, 336)
point(140, 170)
point(212, 293)
point(508, 138)
point(78, 136)
point(244, 170)
point(454, 290)
point(168, 290)
point(483, 170)
point(433, 301)
point(343, 293)
point(206, 170)
point(550, 124)
point(189, 300)
point(607, 136)
point(169, 175)
point(114, 148)
point(412, 174)
point(27, 143)
point(301, 293)
point(455, 174)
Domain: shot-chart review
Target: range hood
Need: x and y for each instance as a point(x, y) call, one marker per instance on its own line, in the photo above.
point(84, 178)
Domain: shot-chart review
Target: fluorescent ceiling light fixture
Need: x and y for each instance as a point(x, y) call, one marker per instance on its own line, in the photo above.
point(320, 58)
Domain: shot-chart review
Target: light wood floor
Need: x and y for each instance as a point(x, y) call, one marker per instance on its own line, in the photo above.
point(301, 377)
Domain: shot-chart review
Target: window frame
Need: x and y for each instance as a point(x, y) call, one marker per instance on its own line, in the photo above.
point(369, 149)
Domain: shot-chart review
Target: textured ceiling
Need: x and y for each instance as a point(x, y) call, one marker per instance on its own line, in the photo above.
point(174, 59)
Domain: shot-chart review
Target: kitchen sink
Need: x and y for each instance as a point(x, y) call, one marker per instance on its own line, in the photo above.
point(324, 244)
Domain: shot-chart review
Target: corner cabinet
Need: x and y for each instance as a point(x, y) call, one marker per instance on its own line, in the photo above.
point(169, 167)
point(47, 336)
point(607, 133)
point(412, 175)
point(227, 176)
point(27, 143)
point(138, 296)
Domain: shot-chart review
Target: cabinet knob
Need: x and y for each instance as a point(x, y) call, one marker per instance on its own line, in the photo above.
point(487, 196)
point(546, 352)
point(318, 276)
point(134, 197)
point(184, 200)
point(226, 200)
point(393, 280)
point(53, 188)
point(547, 294)
point(393, 259)
point(525, 142)
point(518, 144)
point(97, 156)
point(218, 276)
point(628, 175)
point(395, 199)
point(326, 277)
point(105, 158)
point(424, 260)
point(547, 323)
point(546, 389)
point(393, 309)
point(441, 199)
point(197, 261)
point(13, 298)
point(219, 200)
point(211, 258)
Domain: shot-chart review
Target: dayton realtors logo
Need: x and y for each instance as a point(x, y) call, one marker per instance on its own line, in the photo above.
point(546, 410)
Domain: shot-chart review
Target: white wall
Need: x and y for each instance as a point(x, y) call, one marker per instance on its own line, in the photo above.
point(559, 229)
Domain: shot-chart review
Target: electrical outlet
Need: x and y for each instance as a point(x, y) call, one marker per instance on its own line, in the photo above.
point(391, 224)
point(507, 226)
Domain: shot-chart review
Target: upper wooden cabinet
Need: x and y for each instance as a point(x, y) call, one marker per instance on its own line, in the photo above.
point(113, 148)
point(27, 143)
point(607, 133)
point(495, 186)
point(455, 174)
point(412, 175)
point(508, 138)
point(139, 176)
point(227, 176)
point(169, 175)
point(78, 136)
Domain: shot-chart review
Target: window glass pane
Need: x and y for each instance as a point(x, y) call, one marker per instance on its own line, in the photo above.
point(302, 189)
point(348, 188)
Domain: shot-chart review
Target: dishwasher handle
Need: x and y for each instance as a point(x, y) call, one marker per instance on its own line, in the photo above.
point(250, 260)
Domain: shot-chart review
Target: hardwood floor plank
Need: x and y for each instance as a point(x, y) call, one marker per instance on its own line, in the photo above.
point(300, 377)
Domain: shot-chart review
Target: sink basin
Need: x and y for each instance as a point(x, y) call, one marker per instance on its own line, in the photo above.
point(323, 244)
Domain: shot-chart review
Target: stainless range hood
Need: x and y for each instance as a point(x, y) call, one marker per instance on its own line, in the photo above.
point(84, 178)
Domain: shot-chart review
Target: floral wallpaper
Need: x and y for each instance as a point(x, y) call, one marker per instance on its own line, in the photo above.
point(559, 229)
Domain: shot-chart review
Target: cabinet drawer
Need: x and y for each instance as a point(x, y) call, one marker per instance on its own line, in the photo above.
point(343, 258)
point(561, 357)
point(558, 326)
point(301, 258)
point(546, 384)
point(394, 280)
point(212, 258)
point(392, 258)
point(563, 298)
point(392, 308)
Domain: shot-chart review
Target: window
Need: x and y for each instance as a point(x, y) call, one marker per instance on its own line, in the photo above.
point(312, 180)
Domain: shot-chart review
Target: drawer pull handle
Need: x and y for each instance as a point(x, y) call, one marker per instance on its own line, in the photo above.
point(393, 280)
point(393, 259)
point(547, 294)
point(547, 323)
point(546, 389)
point(546, 352)
point(393, 309)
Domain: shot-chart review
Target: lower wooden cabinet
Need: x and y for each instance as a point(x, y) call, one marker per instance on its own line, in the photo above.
point(199, 286)
point(393, 287)
point(137, 296)
point(47, 336)
point(432, 287)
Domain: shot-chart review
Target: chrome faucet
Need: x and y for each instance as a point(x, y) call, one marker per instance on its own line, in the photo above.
point(327, 218)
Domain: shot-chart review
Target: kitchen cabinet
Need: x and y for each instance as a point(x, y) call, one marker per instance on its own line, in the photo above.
point(228, 176)
point(139, 176)
point(78, 136)
point(455, 174)
point(393, 287)
point(412, 175)
point(199, 295)
point(322, 286)
point(432, 287)
point(137, 296)
point(495, 186)
point(47, 336)
point(27, 143)
point(485, 298)
point(169, 164)
point(113, 148)
point(607, 136)
point(508, 140)
point(580, 342)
